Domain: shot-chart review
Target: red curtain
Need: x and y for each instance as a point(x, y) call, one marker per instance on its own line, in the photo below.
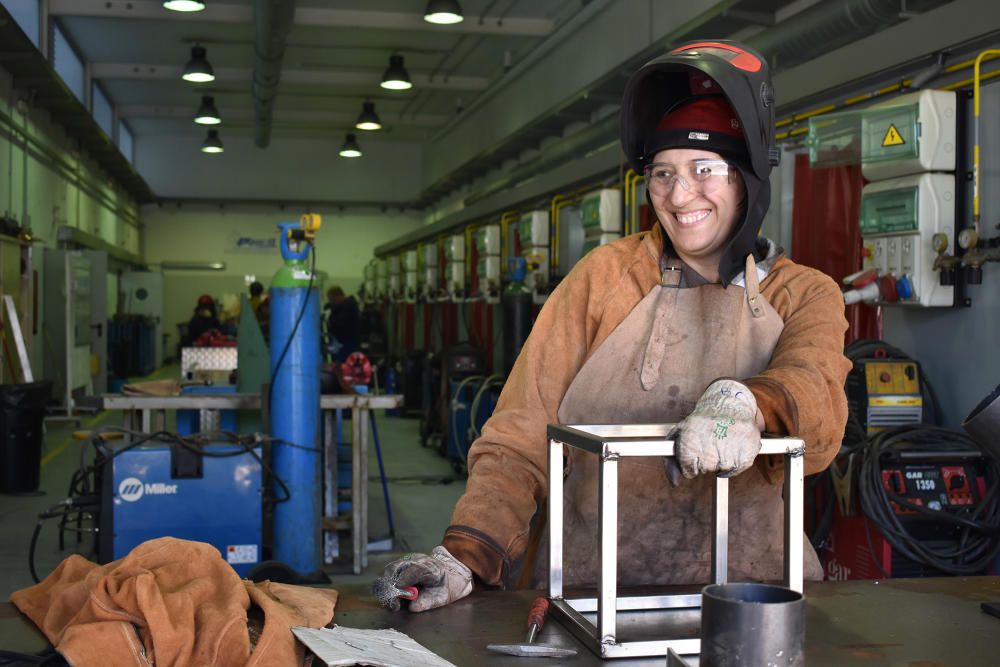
point(826, 234)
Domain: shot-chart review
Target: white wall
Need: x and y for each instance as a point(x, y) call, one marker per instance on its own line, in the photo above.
point(345, 243)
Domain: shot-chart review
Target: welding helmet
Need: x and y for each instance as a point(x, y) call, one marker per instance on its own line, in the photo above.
point(673, 82)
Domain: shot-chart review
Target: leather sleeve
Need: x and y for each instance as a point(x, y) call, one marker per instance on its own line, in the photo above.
point(508, 464)
point(801, 392)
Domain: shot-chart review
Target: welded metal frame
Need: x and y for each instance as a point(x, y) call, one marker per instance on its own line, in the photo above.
point(610, 443)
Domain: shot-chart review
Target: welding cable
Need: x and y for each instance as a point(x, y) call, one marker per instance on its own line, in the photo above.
point(455, 405)
point(194, 443)
point(977, 546)
point(496, 380)
point(69, 505)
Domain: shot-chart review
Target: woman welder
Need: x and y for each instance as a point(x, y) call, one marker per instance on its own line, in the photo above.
point(700, 322)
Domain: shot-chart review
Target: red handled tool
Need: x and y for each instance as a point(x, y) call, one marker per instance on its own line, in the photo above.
point(529, 649)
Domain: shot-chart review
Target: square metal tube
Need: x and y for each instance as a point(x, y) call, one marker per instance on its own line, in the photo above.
point(611, 442)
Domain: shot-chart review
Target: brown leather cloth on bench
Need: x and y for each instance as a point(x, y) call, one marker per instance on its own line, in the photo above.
point(170, 603)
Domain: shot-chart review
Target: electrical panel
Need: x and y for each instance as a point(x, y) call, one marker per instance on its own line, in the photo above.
point(909, 134)
point(602, 218)
point(488, 267)
point(411, 274)
point(533, 230)
point(454, 252)
point(834, 139)
point(899, 218)
point(430, 275)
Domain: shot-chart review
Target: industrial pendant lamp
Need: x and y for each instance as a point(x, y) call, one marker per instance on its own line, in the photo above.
point(350, 147)
point(396, 77)
point(368, 120)
point(443, 12)
point(207, 114)
point(212, 143)
point(198, 70)
point(184, 5)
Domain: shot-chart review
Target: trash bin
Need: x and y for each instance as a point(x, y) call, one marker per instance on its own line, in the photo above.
point(22, 413)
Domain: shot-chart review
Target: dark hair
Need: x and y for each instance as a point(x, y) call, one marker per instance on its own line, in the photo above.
point(256, 289)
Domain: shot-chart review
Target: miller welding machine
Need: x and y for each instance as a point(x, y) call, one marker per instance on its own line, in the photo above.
point(182, 487)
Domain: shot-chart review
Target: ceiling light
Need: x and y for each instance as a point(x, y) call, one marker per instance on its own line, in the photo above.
point(443, 12)
point(368, 120)
point(207, 114)
point(350, 147)
point(184, 5)
point(198, 70)
point(212, 143)
point(396, 77)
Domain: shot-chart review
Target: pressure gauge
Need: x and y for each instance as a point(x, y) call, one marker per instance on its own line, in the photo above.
point(968, 238)
point(940, 243)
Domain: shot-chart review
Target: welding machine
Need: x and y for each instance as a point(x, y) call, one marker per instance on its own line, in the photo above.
point(918, 501)
point(164, 489)
point(885, 392)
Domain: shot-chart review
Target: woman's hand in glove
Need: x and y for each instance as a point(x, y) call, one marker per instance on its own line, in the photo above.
point(721, 435)
point(439, 577)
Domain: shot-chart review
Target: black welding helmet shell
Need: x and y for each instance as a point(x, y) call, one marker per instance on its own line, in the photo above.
point(739, 74)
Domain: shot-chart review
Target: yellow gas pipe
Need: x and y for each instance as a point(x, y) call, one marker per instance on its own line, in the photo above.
point(901, 85)
point(554, 207)
point(505, 219)
point(977, 82)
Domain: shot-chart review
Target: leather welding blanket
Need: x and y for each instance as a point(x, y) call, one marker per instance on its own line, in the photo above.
point(800, 391)
point(169, 603)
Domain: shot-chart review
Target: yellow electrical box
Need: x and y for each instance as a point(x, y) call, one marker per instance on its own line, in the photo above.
point(893, 394)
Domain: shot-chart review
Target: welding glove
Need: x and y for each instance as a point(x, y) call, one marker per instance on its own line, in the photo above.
point(440, 578)
point(721, 435)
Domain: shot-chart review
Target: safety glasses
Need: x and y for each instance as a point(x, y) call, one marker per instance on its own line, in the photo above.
point(700, 176)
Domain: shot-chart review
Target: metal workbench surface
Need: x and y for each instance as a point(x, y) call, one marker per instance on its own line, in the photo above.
point(900, 623)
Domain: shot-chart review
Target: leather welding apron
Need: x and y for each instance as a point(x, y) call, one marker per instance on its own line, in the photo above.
point(653, 368)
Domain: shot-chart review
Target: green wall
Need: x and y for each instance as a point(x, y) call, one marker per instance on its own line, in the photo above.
point(199, 234)
point(47, 183)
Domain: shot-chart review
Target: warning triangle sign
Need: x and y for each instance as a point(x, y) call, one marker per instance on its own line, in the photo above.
point(892, 137)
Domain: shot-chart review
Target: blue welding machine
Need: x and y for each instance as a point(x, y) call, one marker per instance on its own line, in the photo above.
point(160, 489)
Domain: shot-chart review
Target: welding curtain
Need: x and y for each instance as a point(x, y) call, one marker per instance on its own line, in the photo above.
point(826, 234)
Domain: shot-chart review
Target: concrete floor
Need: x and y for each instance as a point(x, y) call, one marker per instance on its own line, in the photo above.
point(422, 485)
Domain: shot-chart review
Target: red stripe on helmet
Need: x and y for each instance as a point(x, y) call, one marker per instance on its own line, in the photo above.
point(743, 60)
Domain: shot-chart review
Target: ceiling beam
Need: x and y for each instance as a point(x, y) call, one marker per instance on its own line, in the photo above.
point(316, 17)
point(303, 77)
point(339, 118)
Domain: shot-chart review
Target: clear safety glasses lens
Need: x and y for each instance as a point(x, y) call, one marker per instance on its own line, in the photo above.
point(697, 176)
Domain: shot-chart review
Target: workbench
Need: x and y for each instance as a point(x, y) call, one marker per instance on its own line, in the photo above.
point(896, 622)
point(149, 413)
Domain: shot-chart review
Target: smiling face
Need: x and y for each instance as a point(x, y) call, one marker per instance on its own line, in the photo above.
point(699, 220)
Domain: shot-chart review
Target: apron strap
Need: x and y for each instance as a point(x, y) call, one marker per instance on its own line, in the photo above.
point(754, 299)
point(670, 281)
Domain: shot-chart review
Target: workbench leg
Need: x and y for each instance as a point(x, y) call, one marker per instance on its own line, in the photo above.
point(362, 416)
point(794, 511)
point(329, 485)
point(356, 476)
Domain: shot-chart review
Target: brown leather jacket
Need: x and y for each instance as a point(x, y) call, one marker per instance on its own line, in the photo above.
point(801, 393)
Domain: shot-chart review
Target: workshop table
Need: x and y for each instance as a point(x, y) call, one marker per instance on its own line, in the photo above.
point(895, 622)
point(149, 413)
